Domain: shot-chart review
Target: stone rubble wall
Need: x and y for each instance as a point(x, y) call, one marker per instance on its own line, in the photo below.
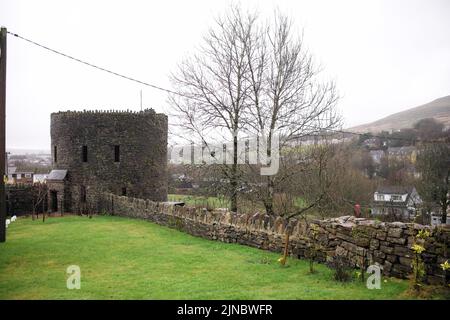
point(362, 241)
point(20, 199)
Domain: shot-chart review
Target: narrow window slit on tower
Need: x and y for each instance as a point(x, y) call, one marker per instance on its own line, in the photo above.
point(55, 154)
point(83, 194)
point(124, 191)
point(85, 154)
point(116, 153)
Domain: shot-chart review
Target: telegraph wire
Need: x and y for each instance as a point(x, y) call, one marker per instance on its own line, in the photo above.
point(101, 68)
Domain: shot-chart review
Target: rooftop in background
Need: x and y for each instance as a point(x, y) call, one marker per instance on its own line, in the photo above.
point(395, 189)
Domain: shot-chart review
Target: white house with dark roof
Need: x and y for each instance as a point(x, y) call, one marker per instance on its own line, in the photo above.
point(402, 153)
point(377, 155)
point(398, 201)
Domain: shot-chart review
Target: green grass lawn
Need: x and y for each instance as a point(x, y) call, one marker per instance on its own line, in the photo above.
point(195, 200)
point(131, 259)
point(223, 202)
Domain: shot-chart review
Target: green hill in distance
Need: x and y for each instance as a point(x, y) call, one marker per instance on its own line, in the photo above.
point(438, 109)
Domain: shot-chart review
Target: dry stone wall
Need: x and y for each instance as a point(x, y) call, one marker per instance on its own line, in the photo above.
point(20, 199)
point(361, 240)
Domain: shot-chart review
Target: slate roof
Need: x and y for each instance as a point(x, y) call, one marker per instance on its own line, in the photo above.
point(57, 175)
point(395, 189)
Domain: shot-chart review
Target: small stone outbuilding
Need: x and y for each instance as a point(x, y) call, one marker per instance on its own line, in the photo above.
point(58, 191)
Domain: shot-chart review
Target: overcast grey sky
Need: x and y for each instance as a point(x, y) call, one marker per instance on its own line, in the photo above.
point(386, 56)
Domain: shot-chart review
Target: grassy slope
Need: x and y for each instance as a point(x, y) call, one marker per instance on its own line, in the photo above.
point(217, 202)
point(438, 109)
point(130, 259)
point(214, 202)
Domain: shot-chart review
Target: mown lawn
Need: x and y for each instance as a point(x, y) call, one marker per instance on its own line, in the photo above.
point(131, 259)
point(223, 202)
point(195, 200)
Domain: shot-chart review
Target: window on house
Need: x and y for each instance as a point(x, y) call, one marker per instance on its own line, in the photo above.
point(124, 191)
point(85, 154)
point(27, 175)
point(116, 153)
point(380, 197)
point(55, 154)
point(396, 198)
point(83, 194)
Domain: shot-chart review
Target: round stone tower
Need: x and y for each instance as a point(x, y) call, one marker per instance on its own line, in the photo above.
point(117, 151)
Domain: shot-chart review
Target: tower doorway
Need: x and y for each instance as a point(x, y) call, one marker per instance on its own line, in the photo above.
point(54, 200)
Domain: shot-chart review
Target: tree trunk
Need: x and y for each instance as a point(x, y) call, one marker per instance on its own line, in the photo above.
point(268, 202)
point(32, 213)
point(444, 211)
point(234, 177)
point(286, 249)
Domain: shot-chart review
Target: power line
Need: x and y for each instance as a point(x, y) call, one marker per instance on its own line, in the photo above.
point(100, 68)
point(194, 98)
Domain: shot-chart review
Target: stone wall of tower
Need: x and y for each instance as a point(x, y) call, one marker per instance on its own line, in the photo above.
point(141, 138)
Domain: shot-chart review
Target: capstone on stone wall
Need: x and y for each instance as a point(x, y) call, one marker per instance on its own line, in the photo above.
point(362, 241)
point(139, 139)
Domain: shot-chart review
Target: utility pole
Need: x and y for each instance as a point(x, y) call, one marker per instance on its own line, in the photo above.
point(3, 35)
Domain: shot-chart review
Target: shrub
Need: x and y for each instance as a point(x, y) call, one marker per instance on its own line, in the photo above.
point(342, 268)
point(417, 265)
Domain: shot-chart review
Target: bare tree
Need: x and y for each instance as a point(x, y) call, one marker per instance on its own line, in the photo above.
point(288, 98)
point(214, 88)
point(434, 165)
point(312, 183)
point(39, 196)
point(255, 78)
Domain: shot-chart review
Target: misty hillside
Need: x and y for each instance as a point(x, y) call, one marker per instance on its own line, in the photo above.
point(438, 109)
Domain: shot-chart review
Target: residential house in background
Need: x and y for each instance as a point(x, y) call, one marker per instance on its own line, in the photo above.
point(396, 201)
point(408, 154)
point(376, 156)
point(372, 143)
point(21, 177)
point(436, 218)
point(10, 170)
point(40, 177)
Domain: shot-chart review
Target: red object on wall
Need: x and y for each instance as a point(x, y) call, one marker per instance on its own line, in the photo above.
point(357, 210)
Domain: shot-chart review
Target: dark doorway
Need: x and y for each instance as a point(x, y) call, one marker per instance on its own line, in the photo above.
point(54, 200)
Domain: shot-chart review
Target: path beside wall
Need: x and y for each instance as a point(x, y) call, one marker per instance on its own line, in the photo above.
point(360, 240)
